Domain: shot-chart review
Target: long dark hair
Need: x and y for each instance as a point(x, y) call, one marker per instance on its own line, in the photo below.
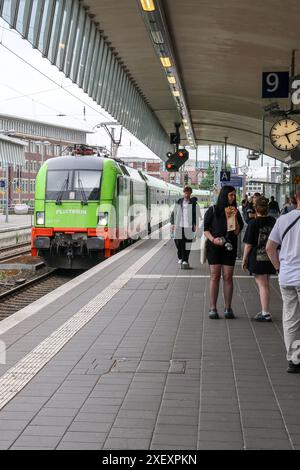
point(222, 201)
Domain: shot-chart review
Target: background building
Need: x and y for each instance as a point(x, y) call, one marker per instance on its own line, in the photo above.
point(41, 141)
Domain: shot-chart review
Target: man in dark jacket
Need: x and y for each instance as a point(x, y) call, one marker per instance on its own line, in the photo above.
point(184, 224)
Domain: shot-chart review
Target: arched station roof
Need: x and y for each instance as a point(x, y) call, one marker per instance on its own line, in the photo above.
point(221, 50)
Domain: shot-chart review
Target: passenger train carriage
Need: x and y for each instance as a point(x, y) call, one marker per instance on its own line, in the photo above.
point(87, 207)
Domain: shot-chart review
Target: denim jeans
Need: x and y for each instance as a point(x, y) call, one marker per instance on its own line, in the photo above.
point(291, 320)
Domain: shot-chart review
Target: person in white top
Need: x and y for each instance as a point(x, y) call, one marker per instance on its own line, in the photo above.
point(184, 223)
point(286, 236)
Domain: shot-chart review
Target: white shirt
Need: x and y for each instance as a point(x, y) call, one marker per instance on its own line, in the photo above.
point(184, 222)
point(289, 254)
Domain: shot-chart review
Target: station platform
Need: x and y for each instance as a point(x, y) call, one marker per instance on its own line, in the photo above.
point(15, 222)
point(125, 357)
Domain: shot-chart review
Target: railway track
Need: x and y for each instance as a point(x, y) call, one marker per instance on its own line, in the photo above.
point(13, 251)
point(19, 297)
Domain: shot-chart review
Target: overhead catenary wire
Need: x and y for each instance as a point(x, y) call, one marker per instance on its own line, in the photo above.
point(51, 79)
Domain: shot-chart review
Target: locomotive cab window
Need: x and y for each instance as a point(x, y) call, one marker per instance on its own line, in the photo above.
point(73, 185)
point(87, 182)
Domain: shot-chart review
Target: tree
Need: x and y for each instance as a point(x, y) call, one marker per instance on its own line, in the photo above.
point(208, 180)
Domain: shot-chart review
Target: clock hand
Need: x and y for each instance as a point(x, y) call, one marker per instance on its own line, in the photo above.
point(296, 130)
point(287, 136)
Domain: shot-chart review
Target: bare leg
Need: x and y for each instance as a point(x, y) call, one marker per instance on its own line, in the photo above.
point(215, 275)
point(262, 280)
point(228, 285)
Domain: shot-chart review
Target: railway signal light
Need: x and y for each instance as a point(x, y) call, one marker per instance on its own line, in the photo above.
point(176, 160)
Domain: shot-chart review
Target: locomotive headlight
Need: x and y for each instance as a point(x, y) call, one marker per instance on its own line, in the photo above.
point(40, 218)
point(102, 218)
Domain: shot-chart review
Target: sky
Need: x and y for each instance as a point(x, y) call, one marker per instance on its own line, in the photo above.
point(32, 88)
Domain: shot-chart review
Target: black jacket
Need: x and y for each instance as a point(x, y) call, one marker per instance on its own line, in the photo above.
point(193, 214)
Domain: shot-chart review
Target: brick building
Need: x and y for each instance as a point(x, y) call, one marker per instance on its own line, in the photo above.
point(42, 141)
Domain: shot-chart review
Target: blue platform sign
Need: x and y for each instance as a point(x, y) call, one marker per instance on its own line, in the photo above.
point(2, 183)
point(275, 84)
point(235, 181)
point(224, 176)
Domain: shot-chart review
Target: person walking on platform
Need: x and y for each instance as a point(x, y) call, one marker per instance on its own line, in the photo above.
point(274, 210)
point(251, 212)
point(184, 224)
point(222, 224)
point(245, 205)
point(286, 235)
point(255, 258)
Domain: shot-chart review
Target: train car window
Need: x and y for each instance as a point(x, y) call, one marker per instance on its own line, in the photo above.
point(124, 170)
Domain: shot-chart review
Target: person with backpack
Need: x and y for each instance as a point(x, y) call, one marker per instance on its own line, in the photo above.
point(222, 224)
point(286, 236)
point(255, 258)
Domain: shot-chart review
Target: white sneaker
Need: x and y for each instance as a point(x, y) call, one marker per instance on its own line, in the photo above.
point(179, 261)
point(185, 265)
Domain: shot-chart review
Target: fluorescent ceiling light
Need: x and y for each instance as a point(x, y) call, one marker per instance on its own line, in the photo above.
point(172, 80)
point(176, 93)
point(184, 121)
point(148, 5)
point(165, 61)
point(157, 37)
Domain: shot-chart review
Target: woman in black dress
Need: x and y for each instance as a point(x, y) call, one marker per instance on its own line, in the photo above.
point(255, 258)
point(222, 224)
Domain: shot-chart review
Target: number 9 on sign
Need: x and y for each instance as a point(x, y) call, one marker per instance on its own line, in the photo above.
point(275, 84)
point(272, 82)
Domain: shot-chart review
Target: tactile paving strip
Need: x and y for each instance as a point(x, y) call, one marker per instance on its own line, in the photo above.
point(16, 378)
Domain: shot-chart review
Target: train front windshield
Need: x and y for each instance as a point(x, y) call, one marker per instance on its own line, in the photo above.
point(73, 185)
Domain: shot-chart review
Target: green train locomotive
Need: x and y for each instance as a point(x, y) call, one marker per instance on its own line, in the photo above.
point(88, 207)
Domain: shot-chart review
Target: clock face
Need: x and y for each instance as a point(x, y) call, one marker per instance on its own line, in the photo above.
point(285, 134)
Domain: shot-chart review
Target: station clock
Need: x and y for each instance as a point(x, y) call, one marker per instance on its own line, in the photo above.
point(285, 134)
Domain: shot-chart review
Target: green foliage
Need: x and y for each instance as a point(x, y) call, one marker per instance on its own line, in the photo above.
point(208, 180)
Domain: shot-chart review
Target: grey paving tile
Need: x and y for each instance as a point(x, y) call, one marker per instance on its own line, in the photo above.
point(137, 423)
point(130, 433)
point(32, 447)
point(175, 440)
point(220, 436)
point(260, 422)
point(4, 444)
point(90, 426)
point(239, 445)
point(267, 444)
point(66, 412)
point(79, 446)
point(207, 425)
point(51, 420)
point(37, 441)
point(124, 443)
point(7, 425)
point(187, 430)
point(82, 436)
point(95, 417)
point(35, 430)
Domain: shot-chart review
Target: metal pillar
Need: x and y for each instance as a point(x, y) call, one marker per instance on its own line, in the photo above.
point(7, 193)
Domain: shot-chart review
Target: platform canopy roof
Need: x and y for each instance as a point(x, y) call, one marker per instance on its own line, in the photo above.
point(12, 151)
point(221, 49)
point(154, 63)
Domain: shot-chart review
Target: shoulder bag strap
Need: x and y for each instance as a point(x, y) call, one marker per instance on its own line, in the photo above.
point(289, 228)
